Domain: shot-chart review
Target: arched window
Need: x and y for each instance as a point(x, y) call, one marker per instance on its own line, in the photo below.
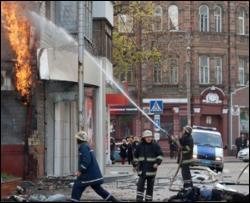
point(204, 18)
point(173, 65)
point(125, 23)
point(217, 18)
point(241, 22)
point(173, 23)
point(157, 26)
point(157, 73)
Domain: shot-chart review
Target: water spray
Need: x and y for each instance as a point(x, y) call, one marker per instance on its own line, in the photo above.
point(125, 94)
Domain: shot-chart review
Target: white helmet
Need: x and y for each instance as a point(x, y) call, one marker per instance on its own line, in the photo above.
point(82, 135)
point(147, 133)
point(188, 129)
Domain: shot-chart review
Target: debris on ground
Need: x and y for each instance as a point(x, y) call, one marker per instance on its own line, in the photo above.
point(205, 193)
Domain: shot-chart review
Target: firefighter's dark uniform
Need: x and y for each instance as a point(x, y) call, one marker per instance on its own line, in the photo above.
point(145, 156)
point(187, 154)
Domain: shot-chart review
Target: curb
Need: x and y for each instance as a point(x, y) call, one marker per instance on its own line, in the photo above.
point(113, 178)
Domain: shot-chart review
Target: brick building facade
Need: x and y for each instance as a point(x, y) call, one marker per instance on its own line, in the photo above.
point(217, 33)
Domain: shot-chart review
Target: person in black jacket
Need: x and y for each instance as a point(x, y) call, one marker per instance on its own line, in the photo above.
point(123, 151)
point(130, 149)
point(186, 145)
point(112, 150)
point(88, 173)
point(147, 157)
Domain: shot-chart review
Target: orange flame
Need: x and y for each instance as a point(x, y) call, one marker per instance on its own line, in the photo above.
point(17, 28)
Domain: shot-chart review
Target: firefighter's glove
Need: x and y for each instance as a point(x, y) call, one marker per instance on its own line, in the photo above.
point(77, 173)
point(135, 169)
point(155, 166)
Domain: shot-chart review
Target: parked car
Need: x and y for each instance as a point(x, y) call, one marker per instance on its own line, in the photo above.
point(117, 151)
point(208, 148)
point(244, 154)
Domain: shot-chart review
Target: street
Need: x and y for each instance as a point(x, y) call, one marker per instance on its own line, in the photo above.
point(125, 188)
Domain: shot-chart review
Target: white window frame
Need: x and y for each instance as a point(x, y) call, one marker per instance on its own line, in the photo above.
point(218, 19)
point(125, 23)
point(241, 73)
point(157, 15)
point(169, 20)
point(242, 20)
point(173, 72)
point(218, 70)
point(203, 28)
point(202, 73)
point(88, 19)
point(157, 73)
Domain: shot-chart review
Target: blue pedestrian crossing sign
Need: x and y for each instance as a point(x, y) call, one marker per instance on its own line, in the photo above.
point(156, 106)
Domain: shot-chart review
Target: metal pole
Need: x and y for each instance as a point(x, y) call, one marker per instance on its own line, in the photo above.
point(80, 66)
point(188, 93)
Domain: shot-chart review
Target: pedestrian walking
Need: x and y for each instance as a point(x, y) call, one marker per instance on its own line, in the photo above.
point(112, 150)
point(186, 145)
point(238, 143)
point(130, 150)
point(147, 157)
point(243, 141)
point(136, 141)
point(123, 151)
point(88, 173)
point(173, 148)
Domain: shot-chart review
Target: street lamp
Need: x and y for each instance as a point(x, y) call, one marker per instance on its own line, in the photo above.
point(188, 65)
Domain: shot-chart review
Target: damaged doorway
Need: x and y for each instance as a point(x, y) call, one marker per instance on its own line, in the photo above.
point(65, 147)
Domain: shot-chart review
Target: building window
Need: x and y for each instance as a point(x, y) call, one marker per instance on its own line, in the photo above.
point(157, 73)
point(204, 69)
point(173, 18)
point(209, 120)
point(218, 70)
point(157, 25)
point(88, 19)
point(125, 23)
point(241, 22)
point(66, 15)
point(173, 79)
point(204, 18)
point(108, 42)
point(130, 75)
point(127, 75)
point(241, 72)
point(217, 19)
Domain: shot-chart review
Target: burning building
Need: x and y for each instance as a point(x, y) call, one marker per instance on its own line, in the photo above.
point(39, 93)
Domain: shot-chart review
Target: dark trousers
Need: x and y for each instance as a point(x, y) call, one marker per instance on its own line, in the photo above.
point(186, 175)
point(79, 188)
point(130, 158)
point(149, 190)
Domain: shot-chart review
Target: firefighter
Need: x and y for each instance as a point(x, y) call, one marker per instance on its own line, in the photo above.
point(88, 173)
point(147, 157)
point(186, 144)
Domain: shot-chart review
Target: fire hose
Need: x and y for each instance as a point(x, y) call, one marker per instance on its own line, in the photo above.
point(237, 181)
point(179, 165)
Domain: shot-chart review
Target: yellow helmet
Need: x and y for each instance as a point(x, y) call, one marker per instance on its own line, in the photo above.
point(147, 133)
point(82, 135)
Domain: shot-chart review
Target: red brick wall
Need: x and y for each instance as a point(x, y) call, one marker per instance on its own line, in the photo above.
point(12, 159)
